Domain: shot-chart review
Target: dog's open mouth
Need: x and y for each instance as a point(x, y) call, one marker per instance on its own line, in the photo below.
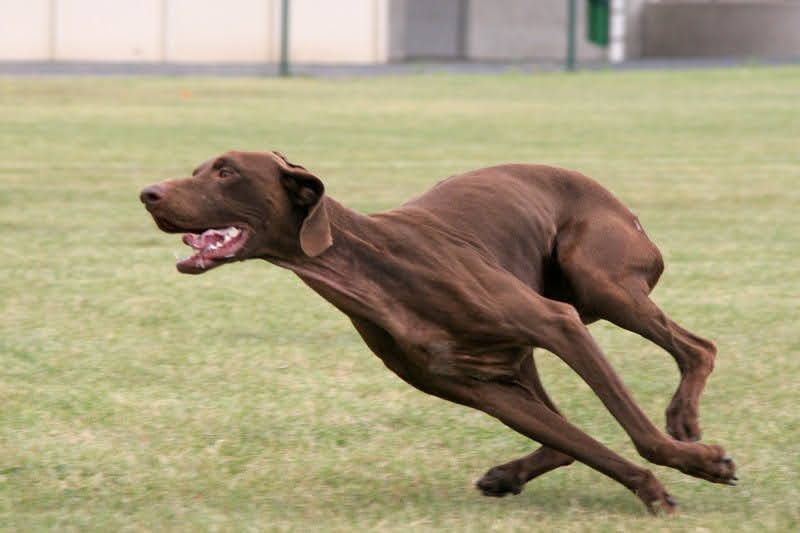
point(212, 248)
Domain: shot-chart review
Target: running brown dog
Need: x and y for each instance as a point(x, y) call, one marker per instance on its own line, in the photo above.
point(455, 288)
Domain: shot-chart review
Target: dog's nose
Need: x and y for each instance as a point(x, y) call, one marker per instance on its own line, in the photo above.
point(151, 195)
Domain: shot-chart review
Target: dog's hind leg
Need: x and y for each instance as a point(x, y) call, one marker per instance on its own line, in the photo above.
point(529, 318)
point(509, 478)
point(693, 354)
point(611, 267)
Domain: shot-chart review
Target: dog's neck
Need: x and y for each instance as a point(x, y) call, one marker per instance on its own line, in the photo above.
point(346, 274)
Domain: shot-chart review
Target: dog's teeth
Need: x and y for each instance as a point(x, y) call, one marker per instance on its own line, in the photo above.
point(231, 233)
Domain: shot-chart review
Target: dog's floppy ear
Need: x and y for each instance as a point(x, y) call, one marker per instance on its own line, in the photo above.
point(307, 191)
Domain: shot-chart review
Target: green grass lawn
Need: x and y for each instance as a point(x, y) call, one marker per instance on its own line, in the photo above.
point(134, 398)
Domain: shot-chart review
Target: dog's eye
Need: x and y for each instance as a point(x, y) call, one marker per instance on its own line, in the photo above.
point(225, 173)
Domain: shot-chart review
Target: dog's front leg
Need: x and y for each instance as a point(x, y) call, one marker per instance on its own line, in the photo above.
point(519, 407)
point(509, 478)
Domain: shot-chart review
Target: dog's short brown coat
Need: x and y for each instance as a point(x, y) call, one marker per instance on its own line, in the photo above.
point(455, 288)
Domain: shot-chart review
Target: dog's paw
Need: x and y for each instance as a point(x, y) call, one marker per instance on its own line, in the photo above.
point(682, 421)
point(710, 462)
point(664, 505)
point(655, 497)
point(498, 482)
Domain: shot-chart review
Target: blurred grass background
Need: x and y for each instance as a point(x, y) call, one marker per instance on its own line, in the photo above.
point(134, 398)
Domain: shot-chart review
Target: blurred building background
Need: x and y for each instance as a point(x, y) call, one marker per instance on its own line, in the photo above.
point(381, 31)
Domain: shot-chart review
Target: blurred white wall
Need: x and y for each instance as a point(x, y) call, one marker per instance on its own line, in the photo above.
point(120, 30)
point(321, 31)
point(324, 31)
point(220, 31)
point(25, 29)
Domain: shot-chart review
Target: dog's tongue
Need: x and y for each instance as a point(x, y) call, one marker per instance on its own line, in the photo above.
point(205, 239)
point(211, 248)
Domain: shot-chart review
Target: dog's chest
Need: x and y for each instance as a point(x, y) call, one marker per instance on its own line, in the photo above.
point(448, 360)
point(436, 352)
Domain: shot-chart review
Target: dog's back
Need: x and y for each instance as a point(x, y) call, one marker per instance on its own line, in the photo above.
point(520, 212)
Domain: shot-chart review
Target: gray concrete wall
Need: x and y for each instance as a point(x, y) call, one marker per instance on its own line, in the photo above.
point(721, 29)
point(436, 29)
point(488, 30)
point(523, 29)
point(397, 30)
point(426, 29)
point(634, 28)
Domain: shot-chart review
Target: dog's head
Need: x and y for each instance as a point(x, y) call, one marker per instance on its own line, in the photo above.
point(242, 205)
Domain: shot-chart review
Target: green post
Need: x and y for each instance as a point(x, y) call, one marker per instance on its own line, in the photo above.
point(598, 17)
point(571, 21)
point(283, 67)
